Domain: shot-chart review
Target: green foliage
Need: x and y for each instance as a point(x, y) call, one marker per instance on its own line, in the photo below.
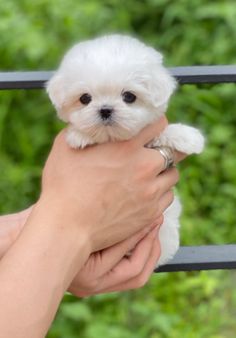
point(34, 35)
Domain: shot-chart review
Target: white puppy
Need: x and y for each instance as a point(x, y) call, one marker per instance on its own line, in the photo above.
point(108, 89)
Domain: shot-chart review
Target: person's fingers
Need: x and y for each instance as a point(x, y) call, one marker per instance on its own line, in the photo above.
point(166, 181)
point(178, 156)
point(157, 160)
point(141, 279)
point(164, 202)
point(125, 275)
point(111, 256)
point(130, 266)
point(150, 132)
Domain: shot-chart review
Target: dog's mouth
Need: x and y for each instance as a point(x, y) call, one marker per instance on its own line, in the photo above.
point(103, 128)
point(108, 130)
point(108, 123)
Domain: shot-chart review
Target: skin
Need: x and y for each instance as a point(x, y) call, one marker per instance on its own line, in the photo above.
point(59, 244)
point(106, 270)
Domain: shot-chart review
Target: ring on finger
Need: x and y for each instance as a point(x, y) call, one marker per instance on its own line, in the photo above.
point(168, 155)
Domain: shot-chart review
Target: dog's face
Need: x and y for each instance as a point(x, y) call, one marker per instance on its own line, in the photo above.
point(111, 87)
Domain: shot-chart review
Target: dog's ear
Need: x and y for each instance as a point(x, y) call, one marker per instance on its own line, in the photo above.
point(55, 90)
point(162, 84)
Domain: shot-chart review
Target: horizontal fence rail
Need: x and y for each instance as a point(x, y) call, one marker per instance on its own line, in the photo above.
point(204, 257)
point(184, 75)
point(188, 258)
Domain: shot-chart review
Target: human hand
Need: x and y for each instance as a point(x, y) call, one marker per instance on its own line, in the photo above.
point(91, 199)
point(124, 266)
point(108, 191)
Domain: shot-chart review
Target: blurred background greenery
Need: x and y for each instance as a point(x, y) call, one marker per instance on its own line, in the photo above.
point(33, 36)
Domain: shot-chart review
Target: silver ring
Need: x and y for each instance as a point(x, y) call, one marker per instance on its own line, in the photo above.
point(168, 155)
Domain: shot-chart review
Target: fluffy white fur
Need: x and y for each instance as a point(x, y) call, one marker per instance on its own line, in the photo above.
point(105, 68)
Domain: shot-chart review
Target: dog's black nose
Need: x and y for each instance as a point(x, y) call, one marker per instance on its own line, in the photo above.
point(106, 112)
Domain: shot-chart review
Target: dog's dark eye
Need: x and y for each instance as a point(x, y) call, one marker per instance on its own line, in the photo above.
point(85, 98)
point(128, 97)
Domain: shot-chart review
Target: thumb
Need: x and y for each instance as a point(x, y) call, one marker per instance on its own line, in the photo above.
point(150, 132)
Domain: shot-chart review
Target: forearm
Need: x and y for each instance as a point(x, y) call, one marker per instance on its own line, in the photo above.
point(35, 273)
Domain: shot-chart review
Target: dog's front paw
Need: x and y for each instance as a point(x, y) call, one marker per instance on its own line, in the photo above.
point(76, 140)
point(183, 138)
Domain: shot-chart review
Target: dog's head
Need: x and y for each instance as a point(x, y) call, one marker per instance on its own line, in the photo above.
point(111, 87)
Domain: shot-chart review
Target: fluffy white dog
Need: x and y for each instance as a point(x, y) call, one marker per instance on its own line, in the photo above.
point(108, 89)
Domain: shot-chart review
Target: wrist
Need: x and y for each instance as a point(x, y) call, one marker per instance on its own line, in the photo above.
point(72, 213)
point(52, 217)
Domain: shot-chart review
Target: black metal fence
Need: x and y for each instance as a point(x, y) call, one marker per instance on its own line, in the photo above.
point(188, 258)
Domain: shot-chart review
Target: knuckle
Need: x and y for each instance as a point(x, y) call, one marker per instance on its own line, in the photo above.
point(145, 169)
